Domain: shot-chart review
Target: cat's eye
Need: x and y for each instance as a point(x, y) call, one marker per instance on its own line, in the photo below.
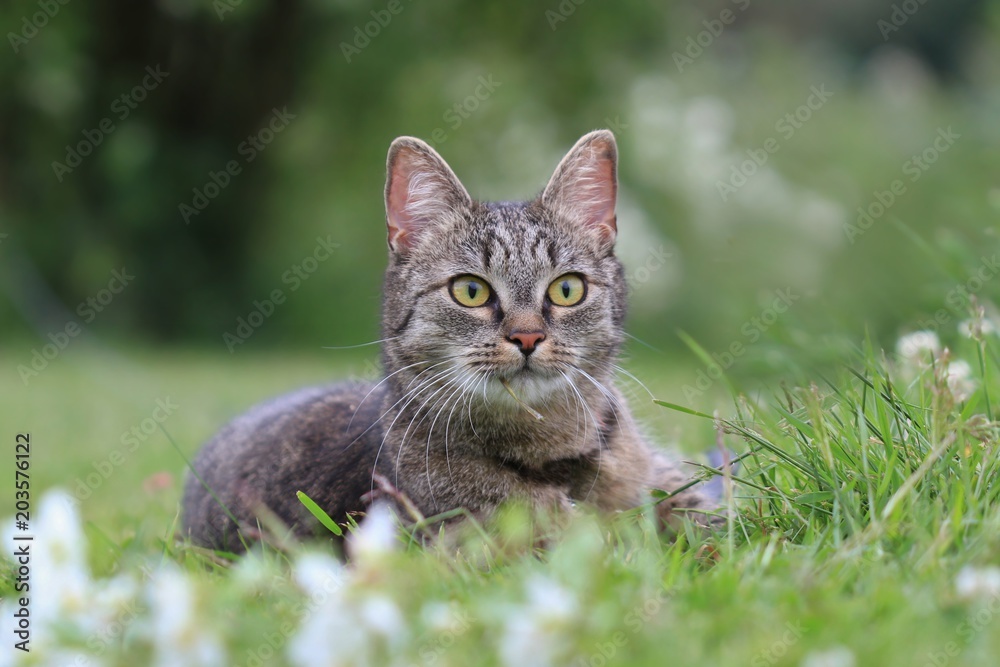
point(470, 291)
point(567, 290)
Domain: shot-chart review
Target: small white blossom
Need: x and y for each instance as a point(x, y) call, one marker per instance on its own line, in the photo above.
point(919, 346)
point(319, 574)
point(960, 380)
point(537, 635)
point(976, 328)
point(838, 656)
point(444, 617)
point(381, 615)
point(329, 636)
point(978, 582)
point(550, 601)
point(181, 637)
point(62, 591)
point(60, 578)
point(330, 633)
point(115, 611)
point(376, 537)
point(251, 572)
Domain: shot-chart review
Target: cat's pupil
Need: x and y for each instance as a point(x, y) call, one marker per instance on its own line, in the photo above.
point(565, 289)
point(473, 289)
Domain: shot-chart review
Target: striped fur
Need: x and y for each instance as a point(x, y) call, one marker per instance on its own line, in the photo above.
point(441, 426)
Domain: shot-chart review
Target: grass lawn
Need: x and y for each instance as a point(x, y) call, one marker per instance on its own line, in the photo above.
point(865, 531)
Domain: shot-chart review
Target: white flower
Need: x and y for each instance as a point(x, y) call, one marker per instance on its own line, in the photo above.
point(116, 608)
point(60, 578)
point(329, 636)
point(960, 380)
point(252, 573)
point(838, 656)
point(381, 615)
point(330, 633)
point(973, 582)
point(550, 601)
point(537, 635)
point(918, 346)
point(376, 537)
point(319, 575)
point(976, 328)
point(181, 636)
point(444, 617)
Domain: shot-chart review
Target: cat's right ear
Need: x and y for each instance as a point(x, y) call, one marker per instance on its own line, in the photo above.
point(420, 191)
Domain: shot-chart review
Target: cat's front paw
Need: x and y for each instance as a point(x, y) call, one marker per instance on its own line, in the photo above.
point(696, 506)
point(550, 500)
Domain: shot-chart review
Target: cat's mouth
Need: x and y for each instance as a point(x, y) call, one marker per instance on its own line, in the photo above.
point(530, 381)
point(524, 386)
point(525, 369)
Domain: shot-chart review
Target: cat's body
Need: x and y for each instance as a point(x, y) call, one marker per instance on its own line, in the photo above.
point(495, 314)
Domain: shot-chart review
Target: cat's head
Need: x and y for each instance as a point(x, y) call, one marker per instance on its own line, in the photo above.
point(530, 293)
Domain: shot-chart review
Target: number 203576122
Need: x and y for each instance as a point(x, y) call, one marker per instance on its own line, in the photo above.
point(22, 481)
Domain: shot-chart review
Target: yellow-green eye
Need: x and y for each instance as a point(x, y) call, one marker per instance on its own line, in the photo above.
point(470, 291)
point(567, 290)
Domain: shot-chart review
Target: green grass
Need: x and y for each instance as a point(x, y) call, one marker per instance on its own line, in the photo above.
point(863, 493)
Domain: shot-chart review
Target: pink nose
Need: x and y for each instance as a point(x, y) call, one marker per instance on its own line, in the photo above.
point(526, 340)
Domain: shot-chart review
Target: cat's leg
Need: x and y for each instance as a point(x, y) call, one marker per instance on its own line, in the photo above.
point(436, 484)
point(700, 507)
point(629, 470)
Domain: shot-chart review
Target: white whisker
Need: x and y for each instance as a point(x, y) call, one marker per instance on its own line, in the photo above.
point(633, 378)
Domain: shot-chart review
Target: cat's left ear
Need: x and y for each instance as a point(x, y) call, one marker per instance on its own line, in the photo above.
point(584, 187)
point(421, 190)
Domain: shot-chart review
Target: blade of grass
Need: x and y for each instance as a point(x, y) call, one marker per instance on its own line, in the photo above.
point(681, 408)
point(319, 513)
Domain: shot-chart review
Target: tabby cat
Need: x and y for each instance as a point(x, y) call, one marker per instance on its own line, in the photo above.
point(501, 325)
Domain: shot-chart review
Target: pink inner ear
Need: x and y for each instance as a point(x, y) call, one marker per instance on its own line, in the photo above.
point(604, 213)
point(422, 192)
point(400, 220)
point(594, 193)
point(584, 187)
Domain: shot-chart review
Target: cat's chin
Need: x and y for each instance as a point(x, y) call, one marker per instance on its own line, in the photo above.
point(533, 387)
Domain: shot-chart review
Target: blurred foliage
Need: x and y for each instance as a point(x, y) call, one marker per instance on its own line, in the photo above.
point(556, 70)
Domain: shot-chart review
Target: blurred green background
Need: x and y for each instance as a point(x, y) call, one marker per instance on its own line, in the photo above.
point(300, 99)
point(167, 166)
